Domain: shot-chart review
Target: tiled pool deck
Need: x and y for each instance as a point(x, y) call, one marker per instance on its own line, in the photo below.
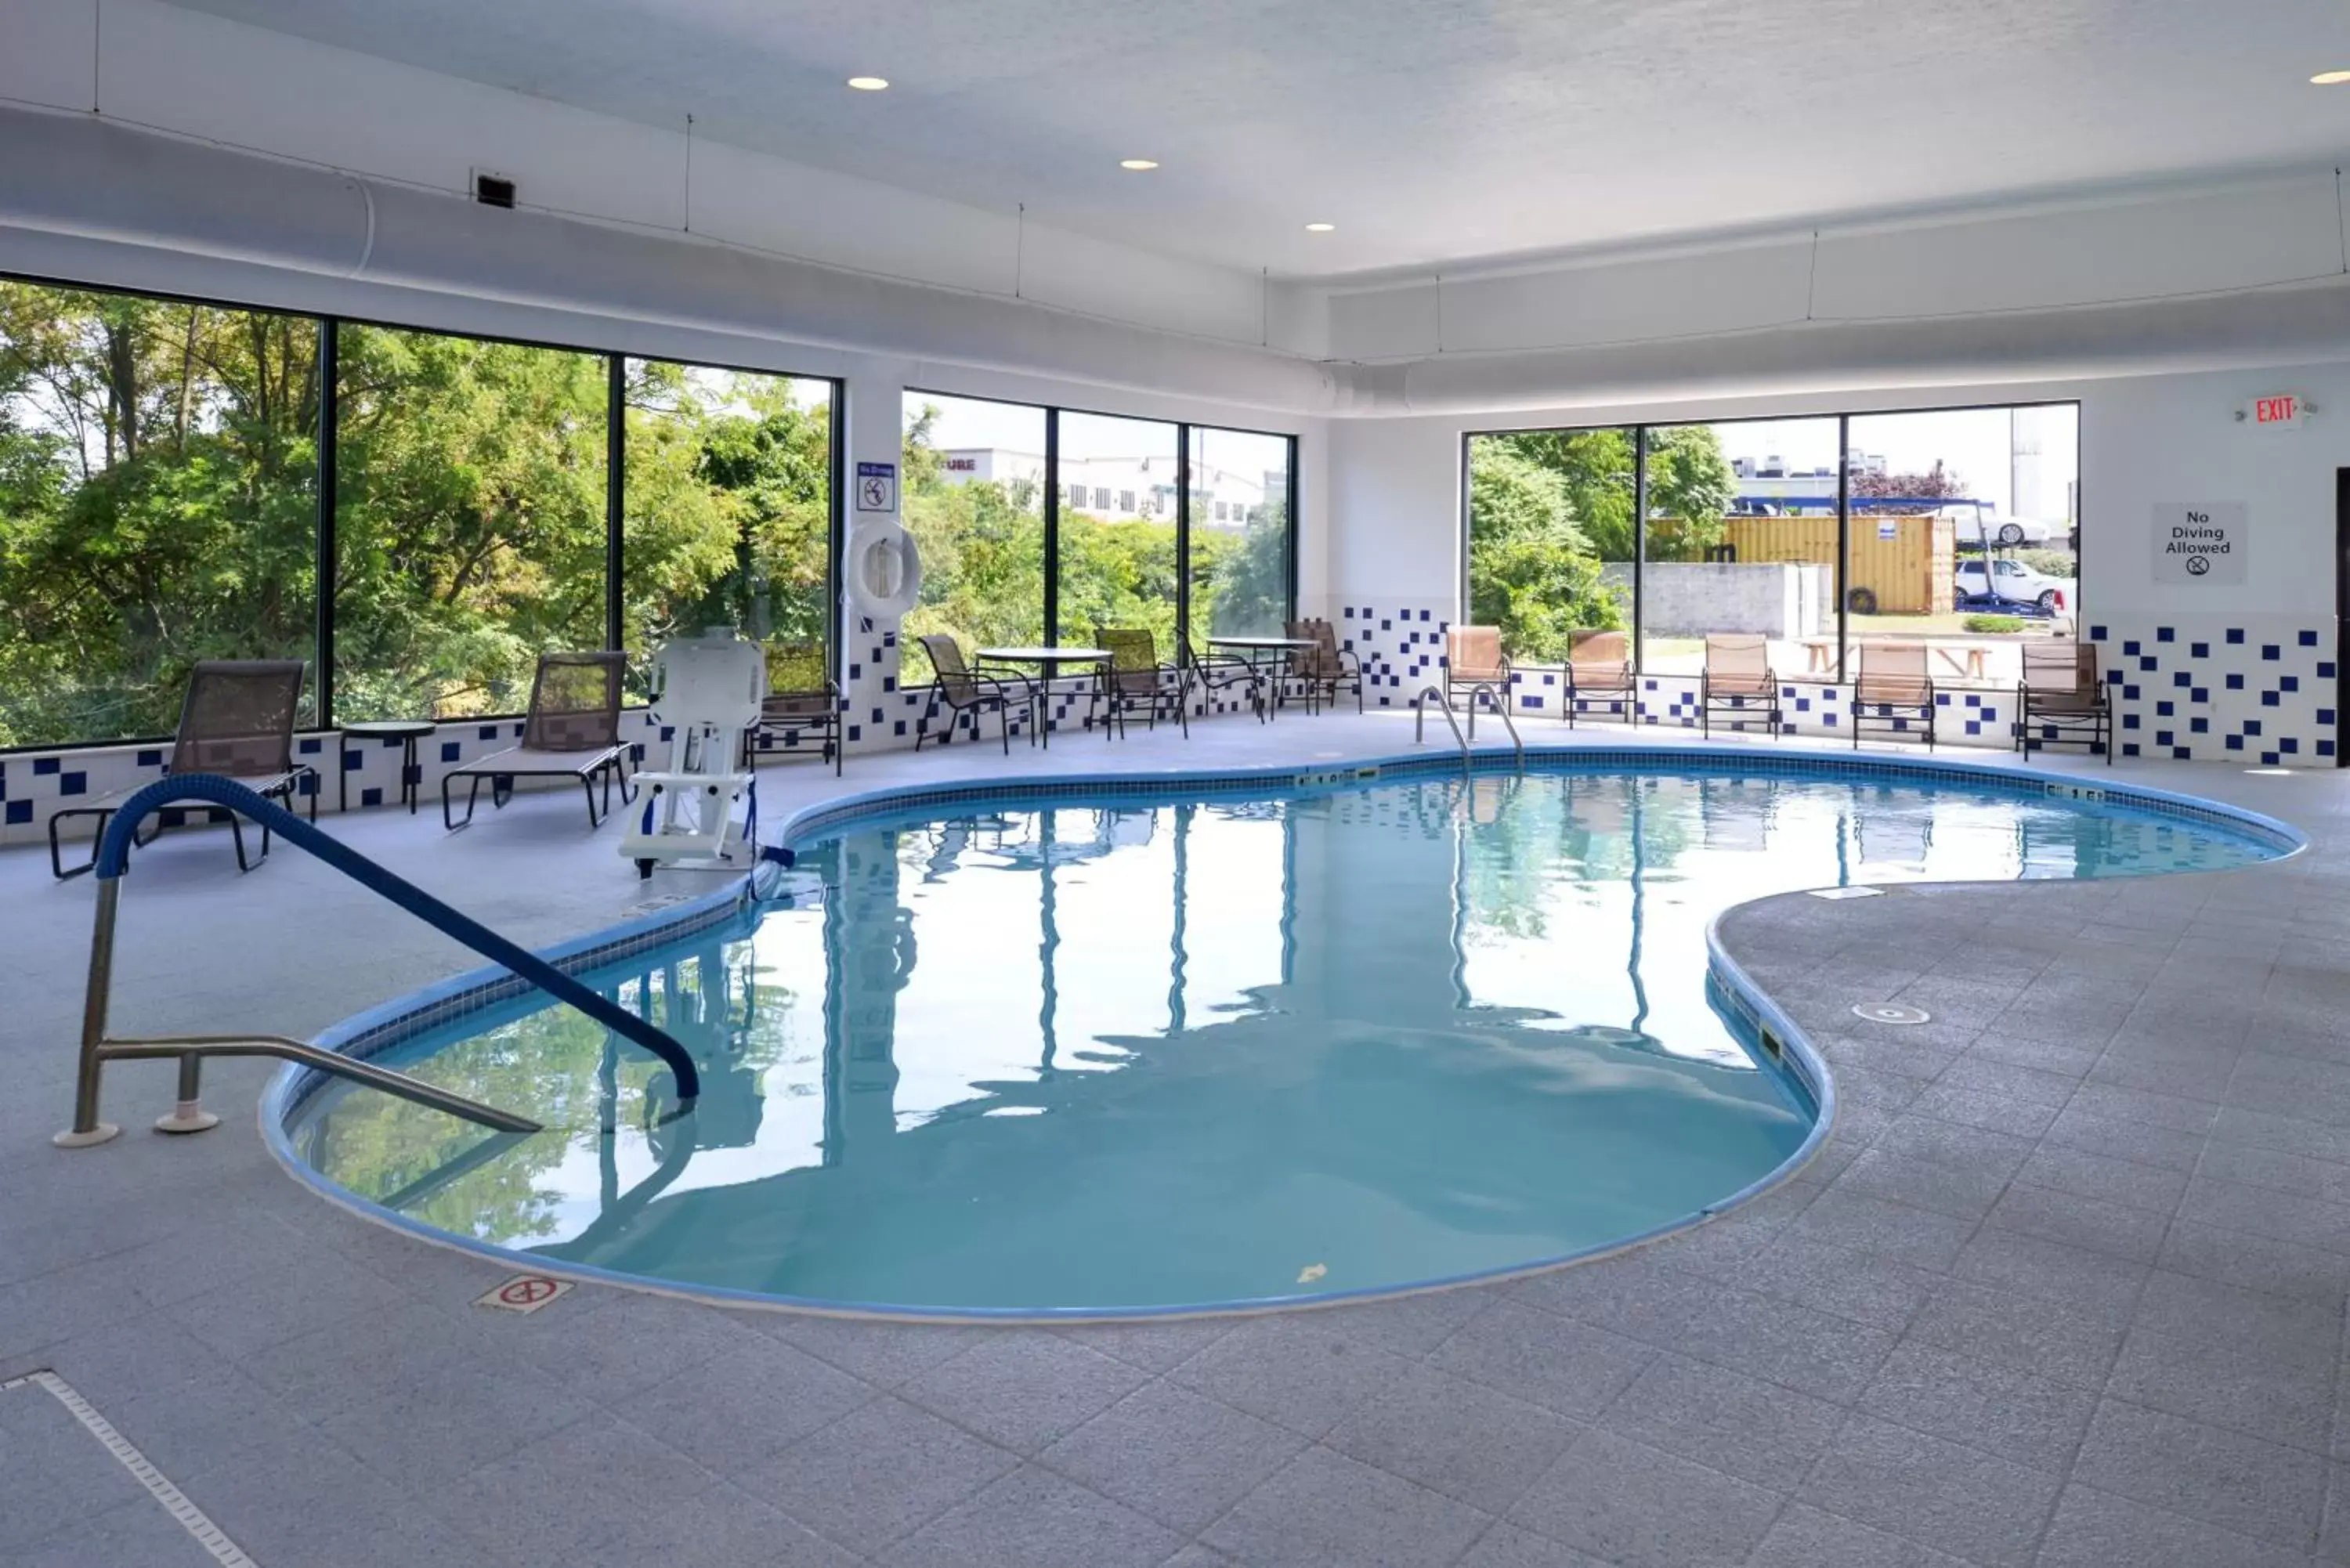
point(2067, 1285)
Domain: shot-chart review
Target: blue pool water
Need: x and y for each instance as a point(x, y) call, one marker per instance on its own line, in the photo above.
point(1119, 1053)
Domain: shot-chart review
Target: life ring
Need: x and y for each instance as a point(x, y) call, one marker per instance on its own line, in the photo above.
point(883, 575)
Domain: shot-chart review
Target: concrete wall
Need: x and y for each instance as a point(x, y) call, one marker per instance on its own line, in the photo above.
point(1689, 598)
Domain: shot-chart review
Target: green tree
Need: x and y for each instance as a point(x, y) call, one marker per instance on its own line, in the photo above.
point(1532, 572)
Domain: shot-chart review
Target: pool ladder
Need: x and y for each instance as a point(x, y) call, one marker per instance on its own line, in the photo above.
point(1483, 690)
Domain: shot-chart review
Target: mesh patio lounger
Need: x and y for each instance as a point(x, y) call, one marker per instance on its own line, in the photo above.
point(1136, 679)
point(1325, 666)
point(1738, 680)
point(2062, 700)
point(1600, 669)
point(238, 721)
point(573, 732)
point(1893, 679)
point(1473, 657)
point(965, 692)
point(801, 698)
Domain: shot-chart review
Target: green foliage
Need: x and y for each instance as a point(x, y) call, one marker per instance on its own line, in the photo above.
point(1532, 572)
point(1993, 623)
point(2051, 562)
point(1691, 489)
point(158, 506)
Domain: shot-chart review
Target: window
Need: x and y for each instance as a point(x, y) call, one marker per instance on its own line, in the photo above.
point(1126, 501)
point(1552, 536)
point(470, 519)
point(1741, 537)
point(158, 505)
point(1113, 573)
point(727, 520)
point(1240, 574)
point(981, 540)
point(1101, 498)
point(1958, 527)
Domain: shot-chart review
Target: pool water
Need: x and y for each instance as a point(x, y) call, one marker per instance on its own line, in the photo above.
point(1123, 1054)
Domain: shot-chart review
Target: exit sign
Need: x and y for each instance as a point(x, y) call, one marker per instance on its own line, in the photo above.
point(2277, 411)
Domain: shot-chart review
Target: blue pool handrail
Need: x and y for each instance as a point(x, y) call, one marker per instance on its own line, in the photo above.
point(113, 858)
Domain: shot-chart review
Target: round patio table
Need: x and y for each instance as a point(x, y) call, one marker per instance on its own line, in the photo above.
point(1049, 661)
point(1251, 649)
point(407, 732)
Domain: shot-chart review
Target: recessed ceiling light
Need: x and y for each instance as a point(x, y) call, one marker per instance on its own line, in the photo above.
point(1319, 228)
point(869, 84)
point(1138, 164)
point(2330, 79)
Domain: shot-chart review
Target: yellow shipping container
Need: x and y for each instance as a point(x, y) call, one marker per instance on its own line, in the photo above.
point(1900, 566)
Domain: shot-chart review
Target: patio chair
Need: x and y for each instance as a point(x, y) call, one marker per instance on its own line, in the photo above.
point(1325, 667)
point(1738, 677)
point(2062, 700)
point(1135, 678)
point(1599, 668)
point(572, 731)
point(965, 692)
point(1893, 678)
point(1473, 657)
point(1219, 671)
point(236, 720)
point(802, 699)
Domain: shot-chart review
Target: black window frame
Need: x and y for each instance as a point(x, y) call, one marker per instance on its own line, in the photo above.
point(326, 541)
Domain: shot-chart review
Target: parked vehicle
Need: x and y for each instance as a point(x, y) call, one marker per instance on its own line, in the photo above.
point(2012, 579)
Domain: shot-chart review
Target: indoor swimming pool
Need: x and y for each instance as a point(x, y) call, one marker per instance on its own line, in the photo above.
point(1104, 1050)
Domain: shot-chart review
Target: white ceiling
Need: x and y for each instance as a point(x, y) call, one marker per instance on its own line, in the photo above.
point(1430, 131)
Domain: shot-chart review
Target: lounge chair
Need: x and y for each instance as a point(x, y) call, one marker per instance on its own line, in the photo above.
point(802, 699)
point(2062, 700)
point(1473, 657)
point(1738, 680)
point(1219, 671)
point(1325, 667)
point(236, 720)
point(1599, 668)
point(1135, 679)
point(1893, 678)
point(572, 731)
point(965, 692)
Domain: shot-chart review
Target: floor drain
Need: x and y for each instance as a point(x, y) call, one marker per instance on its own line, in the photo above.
point(1892, 1012)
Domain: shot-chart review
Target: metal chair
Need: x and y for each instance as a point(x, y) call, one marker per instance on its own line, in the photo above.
point(2061, 700)
point(801, 698)
point(572, 731)
point(238, 721)
point(1473, 657)
point(1892, 677)
point(1324, 667)
point(1135, 678)
point(1219, 671)
point(1599, 668)
point(1738, 674)
point(965, 692)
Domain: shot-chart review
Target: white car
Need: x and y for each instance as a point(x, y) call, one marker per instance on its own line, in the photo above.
point(2015, 581)
point(1981, 526)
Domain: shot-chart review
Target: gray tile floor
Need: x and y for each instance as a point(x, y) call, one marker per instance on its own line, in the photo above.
point(2066, 1286)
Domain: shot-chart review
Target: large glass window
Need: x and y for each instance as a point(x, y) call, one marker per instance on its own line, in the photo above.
point(1741, 537)
point(470, 519)
point(1963, 532)
point(158, 505)
point(973, 495)
point(1114, 571)
point(1552, 536)
point(727, 515)
point(1241, 560)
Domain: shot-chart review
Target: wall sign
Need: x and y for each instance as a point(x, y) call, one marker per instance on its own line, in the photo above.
point(877, 487)
point(2199, 541)
point(2276, 412)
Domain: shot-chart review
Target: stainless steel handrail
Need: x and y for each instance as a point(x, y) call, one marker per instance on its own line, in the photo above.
point(1420, 718)
point(189, 1116)
point(1484, 688)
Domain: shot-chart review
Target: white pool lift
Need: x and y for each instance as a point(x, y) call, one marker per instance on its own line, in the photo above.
point(707, 692)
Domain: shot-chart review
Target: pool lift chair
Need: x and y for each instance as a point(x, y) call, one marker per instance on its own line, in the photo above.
point(708, 694)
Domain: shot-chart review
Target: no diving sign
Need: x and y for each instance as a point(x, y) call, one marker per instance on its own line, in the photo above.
point(877, 487)
point(524, 1292)
point(2199, 541)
